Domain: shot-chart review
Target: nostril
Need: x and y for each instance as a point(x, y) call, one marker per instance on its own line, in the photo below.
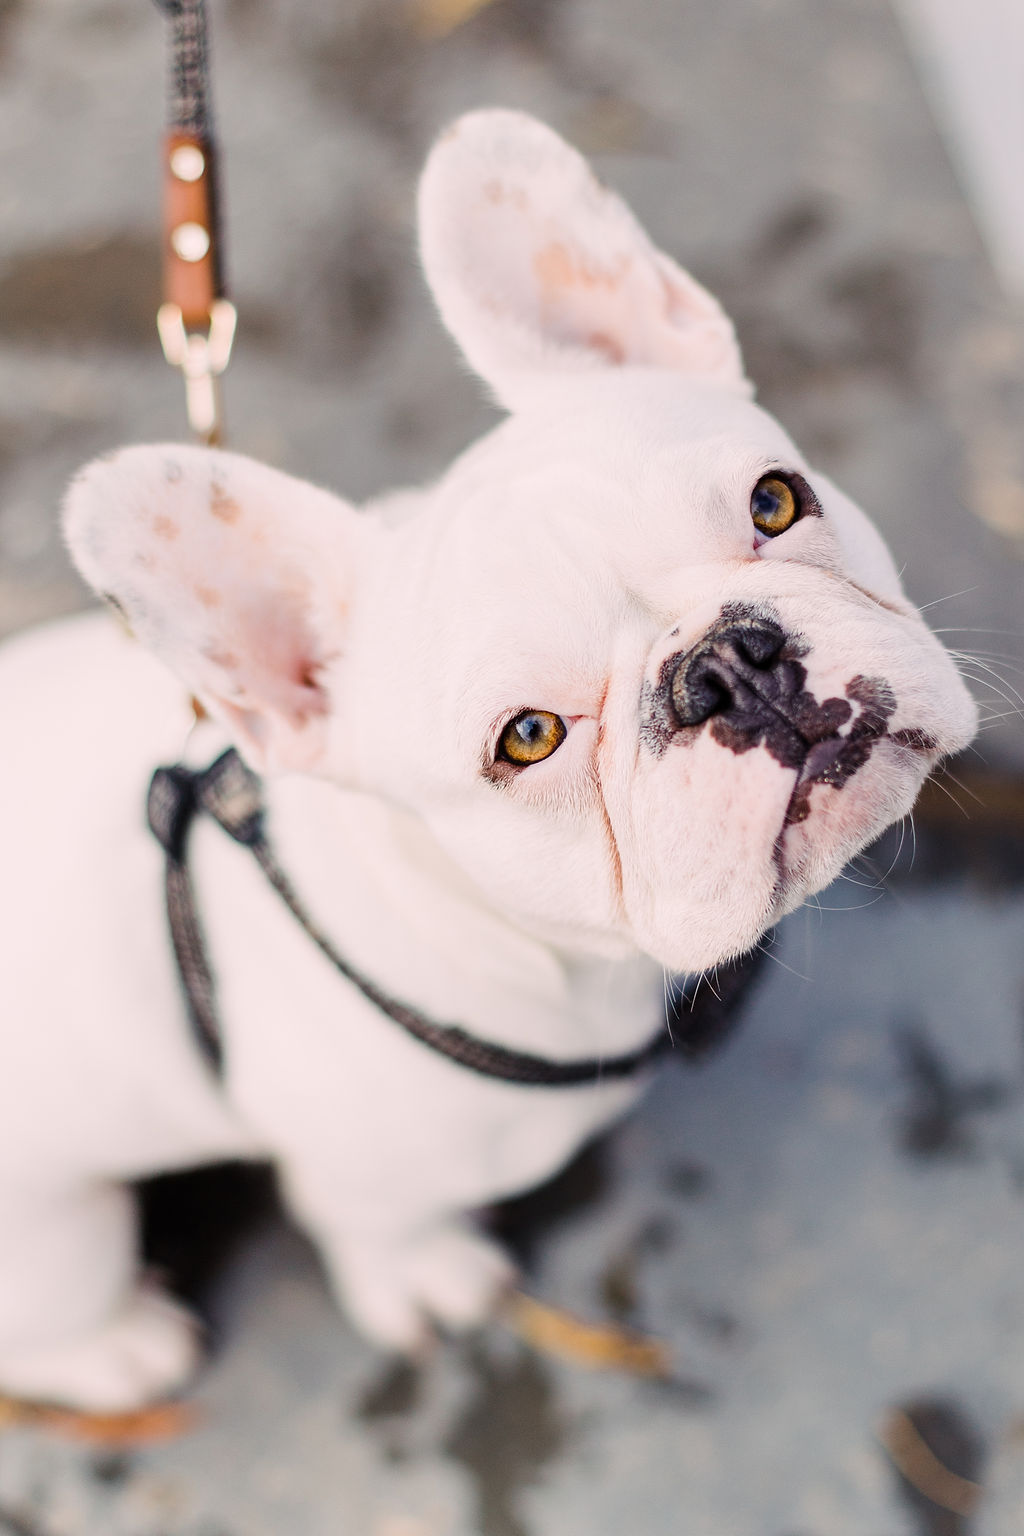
point(715, 677)
point(699, 690)
point(759, 644)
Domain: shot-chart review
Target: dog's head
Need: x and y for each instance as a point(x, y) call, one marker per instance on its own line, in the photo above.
point(648, 678)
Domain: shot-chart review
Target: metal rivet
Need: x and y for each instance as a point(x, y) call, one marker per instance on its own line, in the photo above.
point(190, 241)
point(188, 162)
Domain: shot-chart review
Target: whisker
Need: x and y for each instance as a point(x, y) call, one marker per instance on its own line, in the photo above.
point(700, 980)
point(987, 672)
point(991, 723)
point(938, 785)
point(883, 879)
point(711, 985)
point(976, 659)
point(948, 599)
point(999, 714)
point(961, 785)
point(1005, 691)
point(865, 885)
point(668, 989)
point(973, 629)
point(896, 856)
point(764, 950)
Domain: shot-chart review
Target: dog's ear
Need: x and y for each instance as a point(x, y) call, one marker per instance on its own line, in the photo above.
point(235, 575)
point(537, 268)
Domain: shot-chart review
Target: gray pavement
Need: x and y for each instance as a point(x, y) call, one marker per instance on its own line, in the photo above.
point(826, 1221)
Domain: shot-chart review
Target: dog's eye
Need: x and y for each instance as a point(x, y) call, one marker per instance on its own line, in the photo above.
point(774, 504)
point(531, 737)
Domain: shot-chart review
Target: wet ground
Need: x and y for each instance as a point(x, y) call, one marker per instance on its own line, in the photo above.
point(825, 1221)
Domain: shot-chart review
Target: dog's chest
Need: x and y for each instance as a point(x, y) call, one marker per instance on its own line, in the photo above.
point(309, 1056)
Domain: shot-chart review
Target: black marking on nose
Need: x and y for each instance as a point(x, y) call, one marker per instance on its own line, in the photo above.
point(744, 680)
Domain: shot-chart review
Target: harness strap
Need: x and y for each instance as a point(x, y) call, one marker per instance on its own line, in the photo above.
point(171, 807)
point(232, 794)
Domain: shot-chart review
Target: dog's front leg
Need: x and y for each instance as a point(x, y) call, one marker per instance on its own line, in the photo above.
point(397, 1272)
point(76, 1326)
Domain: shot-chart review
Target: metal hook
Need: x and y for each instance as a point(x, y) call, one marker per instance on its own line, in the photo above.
point(201, 359)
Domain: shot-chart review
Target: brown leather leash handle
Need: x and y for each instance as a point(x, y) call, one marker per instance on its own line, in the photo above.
point(192, 247)
point(196, 321)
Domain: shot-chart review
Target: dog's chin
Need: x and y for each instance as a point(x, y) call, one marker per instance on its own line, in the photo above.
point(823, 827)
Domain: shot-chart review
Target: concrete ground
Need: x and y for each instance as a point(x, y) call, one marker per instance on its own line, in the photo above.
point(824, 1222)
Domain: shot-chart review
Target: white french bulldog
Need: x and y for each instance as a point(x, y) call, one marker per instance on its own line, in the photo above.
point(623, 687)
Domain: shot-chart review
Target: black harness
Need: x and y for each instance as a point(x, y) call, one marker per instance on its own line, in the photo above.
point(232, 795)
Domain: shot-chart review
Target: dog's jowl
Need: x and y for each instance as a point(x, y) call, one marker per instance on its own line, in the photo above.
point(618, 691)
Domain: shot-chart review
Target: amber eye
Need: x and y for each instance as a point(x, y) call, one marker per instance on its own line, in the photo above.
point(774, 505)
point(531, 737)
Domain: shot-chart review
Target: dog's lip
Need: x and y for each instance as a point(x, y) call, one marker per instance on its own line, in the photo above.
point(823, 757)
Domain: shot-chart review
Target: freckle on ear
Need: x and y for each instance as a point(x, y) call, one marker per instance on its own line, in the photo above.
point(222, 505)
point(209, 597)
point(165, 527)
point(600, 341)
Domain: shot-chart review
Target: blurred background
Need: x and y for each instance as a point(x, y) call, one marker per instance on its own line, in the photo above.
point(826, 1221)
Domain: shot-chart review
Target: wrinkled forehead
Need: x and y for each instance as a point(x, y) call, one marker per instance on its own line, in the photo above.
point(556, 532)
point(610, 475)
point(527, 604)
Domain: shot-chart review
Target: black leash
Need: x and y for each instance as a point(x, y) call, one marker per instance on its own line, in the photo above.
point(232, 794)
point(188, 108)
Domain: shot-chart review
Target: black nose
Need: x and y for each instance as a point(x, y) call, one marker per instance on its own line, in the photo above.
point(725, 672)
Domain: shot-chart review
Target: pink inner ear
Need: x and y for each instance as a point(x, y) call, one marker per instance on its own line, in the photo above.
point(537, 268)
point(578, 298)
point(277, 660)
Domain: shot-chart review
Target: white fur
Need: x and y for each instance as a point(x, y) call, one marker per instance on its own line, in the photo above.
point(366, 662)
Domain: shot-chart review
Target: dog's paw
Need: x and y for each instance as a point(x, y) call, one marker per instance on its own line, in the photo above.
point(450, 1277)
point(148, 1350)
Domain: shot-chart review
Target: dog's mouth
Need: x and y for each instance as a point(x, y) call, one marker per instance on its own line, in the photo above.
point(824, 742)
point(834, 760)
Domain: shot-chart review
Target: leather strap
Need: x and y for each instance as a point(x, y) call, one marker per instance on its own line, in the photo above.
point(195, 320)
point(193, 279)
